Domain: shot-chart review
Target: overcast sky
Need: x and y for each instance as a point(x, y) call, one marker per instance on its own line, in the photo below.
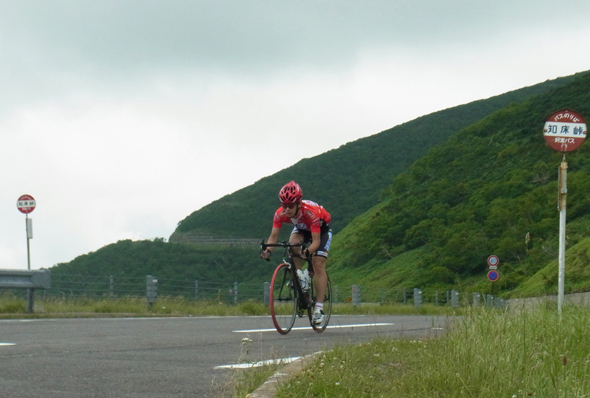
point(123, 117)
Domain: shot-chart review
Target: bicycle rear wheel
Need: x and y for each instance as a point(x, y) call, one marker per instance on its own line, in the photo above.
point(283, 298)
point(327, 307)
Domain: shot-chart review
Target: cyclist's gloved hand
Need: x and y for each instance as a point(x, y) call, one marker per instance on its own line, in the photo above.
point(306, 254)
point(265, 254)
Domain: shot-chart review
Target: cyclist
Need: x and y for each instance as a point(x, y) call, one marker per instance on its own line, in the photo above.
point(312, 224)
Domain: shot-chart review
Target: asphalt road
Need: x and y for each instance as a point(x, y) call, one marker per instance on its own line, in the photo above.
point(164, 357)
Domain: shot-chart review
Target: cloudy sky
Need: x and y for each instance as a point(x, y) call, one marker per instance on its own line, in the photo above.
point(121, 117)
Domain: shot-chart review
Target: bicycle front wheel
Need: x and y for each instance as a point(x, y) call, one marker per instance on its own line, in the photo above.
point(283, 298)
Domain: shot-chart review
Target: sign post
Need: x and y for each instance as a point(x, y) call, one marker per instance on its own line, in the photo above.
point(564, 131)
point(26, 204)
point(493, 275)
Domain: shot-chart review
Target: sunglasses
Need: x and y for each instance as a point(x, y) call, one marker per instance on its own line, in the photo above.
point(289, 205)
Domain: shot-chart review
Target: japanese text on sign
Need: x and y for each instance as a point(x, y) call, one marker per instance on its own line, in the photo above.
point(565, 131)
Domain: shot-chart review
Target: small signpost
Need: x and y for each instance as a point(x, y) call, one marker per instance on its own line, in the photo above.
point(26, 204)
point(564, 131)
point(493, 262)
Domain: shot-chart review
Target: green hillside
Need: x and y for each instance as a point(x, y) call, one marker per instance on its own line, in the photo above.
point(347, 180)
point(477, 194)
point(128, 258)
point(426, 202)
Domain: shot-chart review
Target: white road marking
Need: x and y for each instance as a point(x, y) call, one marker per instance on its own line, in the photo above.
point(7, 344)
point(27, 320)
point(256, 364)
point(362, 325)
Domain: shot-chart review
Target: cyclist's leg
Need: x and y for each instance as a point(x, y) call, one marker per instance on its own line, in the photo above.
point(296, 237)
point(319, 266)
point(320, 277)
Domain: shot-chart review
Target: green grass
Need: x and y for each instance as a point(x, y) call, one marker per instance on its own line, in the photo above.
point(12, 307)
point(577, 274)
point(486, 354)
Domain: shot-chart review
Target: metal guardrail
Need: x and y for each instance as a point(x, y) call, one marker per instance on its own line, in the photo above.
point(152, 287)
point(26, 279)
point(212, 240)
point(30, 279)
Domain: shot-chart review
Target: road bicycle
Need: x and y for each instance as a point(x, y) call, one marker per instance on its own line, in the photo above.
point(288, 299)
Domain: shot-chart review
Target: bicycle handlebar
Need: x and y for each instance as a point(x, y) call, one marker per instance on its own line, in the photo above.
point(286, 245)
point(279, 244)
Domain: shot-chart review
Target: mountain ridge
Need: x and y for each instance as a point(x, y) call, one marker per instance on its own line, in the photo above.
point(363, 179)
point(336, 180)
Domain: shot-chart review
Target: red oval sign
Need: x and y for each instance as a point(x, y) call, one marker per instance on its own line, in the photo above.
point(565, 131)
point(26, 204)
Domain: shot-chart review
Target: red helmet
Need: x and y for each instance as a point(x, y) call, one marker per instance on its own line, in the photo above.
point(290, 193)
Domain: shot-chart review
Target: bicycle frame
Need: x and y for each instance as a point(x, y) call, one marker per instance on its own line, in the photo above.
point(286, 290)
point(288, 258)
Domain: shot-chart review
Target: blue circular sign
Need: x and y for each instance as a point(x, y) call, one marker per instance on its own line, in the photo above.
point(493, 276)
point(493, 261)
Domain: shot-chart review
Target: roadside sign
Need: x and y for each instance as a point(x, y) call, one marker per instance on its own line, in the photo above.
point(493, 276)
point(565, 131)
point(493, 261)
point(26, 204)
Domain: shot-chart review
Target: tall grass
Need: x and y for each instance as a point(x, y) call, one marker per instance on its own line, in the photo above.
point(485, 354)
point(92, 307)
point(13, 307)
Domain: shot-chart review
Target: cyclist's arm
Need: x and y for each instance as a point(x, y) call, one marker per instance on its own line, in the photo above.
point(315, 244)
point(274, 236)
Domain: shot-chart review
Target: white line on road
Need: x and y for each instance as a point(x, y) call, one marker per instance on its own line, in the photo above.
point(27, 320)
point(7, 344)
point(256, 364)
point(362, 325)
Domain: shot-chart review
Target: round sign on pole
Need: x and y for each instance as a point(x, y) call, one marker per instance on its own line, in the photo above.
point(26, 204)
point(565, 131)
point(493, 261)
point(493, 276)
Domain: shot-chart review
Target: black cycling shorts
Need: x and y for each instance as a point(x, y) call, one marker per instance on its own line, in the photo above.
point(325, 239)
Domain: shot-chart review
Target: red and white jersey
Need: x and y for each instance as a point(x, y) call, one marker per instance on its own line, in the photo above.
point(310, 217)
